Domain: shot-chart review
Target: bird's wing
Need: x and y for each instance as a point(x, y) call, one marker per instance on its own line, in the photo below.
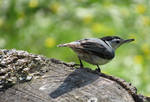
point(96, 48)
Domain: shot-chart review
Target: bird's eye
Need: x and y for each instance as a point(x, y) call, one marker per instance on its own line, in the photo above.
point(117, 41)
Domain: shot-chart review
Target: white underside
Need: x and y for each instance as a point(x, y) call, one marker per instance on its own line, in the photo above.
point(92, 59)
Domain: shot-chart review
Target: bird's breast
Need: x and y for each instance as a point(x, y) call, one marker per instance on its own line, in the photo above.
point(92, 59)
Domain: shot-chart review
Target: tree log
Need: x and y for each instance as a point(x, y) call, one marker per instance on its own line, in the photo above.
point(26, 77)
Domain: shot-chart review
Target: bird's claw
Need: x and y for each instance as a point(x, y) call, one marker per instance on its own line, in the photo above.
point(81, 66)
point(98, 70)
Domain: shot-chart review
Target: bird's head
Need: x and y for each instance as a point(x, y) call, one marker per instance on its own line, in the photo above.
point(115, 41)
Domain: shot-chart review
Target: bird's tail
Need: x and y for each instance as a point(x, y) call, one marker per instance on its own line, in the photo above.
point(71, 44)
point(63, 45)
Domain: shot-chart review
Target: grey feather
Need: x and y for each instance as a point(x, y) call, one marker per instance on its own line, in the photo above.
point(98, 50)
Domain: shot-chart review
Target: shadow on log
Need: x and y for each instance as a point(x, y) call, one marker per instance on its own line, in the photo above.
point(25, 77)
point(74, 80)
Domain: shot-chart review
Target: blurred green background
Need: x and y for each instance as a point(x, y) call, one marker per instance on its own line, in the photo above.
point(37, 26)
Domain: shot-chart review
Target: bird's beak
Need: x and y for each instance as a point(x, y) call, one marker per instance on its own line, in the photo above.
point(128, 40)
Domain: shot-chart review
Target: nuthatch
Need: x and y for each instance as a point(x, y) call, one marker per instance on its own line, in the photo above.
point(96, 51)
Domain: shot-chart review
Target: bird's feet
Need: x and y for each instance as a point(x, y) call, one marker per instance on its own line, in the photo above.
point(98, 69)
point(81, 65)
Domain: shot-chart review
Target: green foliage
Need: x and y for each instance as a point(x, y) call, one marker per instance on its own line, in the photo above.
point(39, 25)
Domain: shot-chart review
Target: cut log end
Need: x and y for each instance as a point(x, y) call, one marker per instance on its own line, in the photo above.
point(34, 78)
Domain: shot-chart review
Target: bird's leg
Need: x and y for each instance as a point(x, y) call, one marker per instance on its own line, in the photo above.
point(81, 64)
point(98, 69)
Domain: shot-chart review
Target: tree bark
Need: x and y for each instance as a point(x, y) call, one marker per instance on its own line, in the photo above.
point(25, 77)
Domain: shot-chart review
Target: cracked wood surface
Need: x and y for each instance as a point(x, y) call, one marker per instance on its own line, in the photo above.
point(34, 78)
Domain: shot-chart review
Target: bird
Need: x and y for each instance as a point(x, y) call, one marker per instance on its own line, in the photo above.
point(96, 51)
